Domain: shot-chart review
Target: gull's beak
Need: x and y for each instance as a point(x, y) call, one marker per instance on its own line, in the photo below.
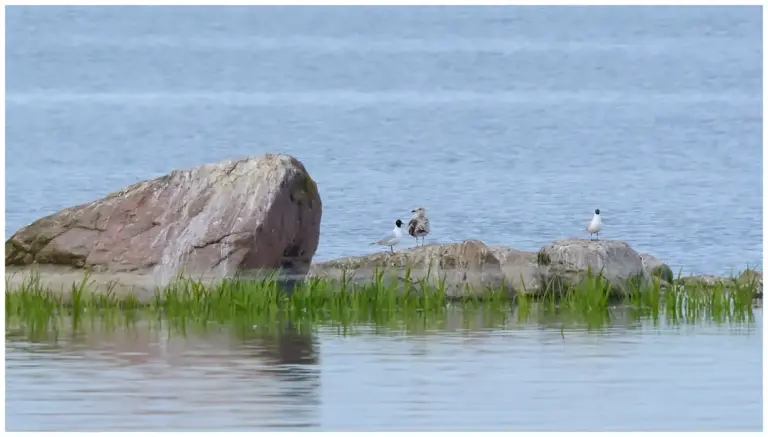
point(413, 210)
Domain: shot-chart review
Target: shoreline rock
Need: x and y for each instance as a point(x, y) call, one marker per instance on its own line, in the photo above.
point(657, 268)
point(521, 270)
point(245, 218)
point(219, 219)
point(747, 278)
point(465, 268)
point(568, 262)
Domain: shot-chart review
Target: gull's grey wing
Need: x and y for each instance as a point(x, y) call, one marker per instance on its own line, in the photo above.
point(412, 227)
point(386, 238)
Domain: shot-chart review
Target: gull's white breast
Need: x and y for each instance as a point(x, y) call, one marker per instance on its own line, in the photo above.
point(594, 225)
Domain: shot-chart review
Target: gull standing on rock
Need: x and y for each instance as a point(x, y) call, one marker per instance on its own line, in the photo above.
point(594, 225)
point(391, 238)
point(419, 224)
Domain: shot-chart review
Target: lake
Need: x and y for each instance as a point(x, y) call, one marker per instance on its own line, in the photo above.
point(509, 124)
point(466, 370)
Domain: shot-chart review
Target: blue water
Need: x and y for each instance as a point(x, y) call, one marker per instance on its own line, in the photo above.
point(509, 124)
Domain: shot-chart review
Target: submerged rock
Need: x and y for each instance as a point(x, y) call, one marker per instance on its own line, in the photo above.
point(220, 219)
point(465, 268)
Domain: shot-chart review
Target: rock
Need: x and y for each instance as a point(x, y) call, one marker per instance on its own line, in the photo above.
point(567, 261)
point(750, 275)
point(472, 263)
point(217, 219)
point(744, 278)
point(747, 278)
point(521, 272)
point(656, 267)
point(754, 278)
point(466, 268)
point(706, 280)
point(60, 280)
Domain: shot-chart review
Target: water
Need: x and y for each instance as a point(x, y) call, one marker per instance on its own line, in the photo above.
point(510, 125)
point(467, 374)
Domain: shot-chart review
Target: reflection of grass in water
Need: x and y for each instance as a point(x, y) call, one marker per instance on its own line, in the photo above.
point(720, 303)
point(418, 307)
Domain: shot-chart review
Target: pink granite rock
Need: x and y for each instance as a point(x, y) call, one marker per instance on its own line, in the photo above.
point(217, 219)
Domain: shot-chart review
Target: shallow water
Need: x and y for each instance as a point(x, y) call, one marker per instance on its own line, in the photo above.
point(517, 123)
point(462, 373)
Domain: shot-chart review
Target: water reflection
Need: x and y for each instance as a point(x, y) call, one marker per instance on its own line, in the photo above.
point(291, 356)
point(161, 375)
point(458, 370)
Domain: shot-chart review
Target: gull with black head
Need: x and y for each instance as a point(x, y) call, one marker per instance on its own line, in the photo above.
point(392, 238)
point(594, 225)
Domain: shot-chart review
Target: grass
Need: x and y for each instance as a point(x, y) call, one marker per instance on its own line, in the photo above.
point(187, 304)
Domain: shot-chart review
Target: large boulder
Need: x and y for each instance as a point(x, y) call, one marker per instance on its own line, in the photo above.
point(218, 219)
point(466, 268)
point(567, 261)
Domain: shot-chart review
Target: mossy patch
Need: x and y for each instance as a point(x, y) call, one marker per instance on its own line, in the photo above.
point(663, 272)
point(305, 189)
point(543, 259)
point(14, 254)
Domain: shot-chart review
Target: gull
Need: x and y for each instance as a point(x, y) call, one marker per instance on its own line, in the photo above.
point(594, 225)
point(419, 224)
point(391, 238)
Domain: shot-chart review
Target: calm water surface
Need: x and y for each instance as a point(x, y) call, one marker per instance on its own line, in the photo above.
point(508, 124)
point(465, 374)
